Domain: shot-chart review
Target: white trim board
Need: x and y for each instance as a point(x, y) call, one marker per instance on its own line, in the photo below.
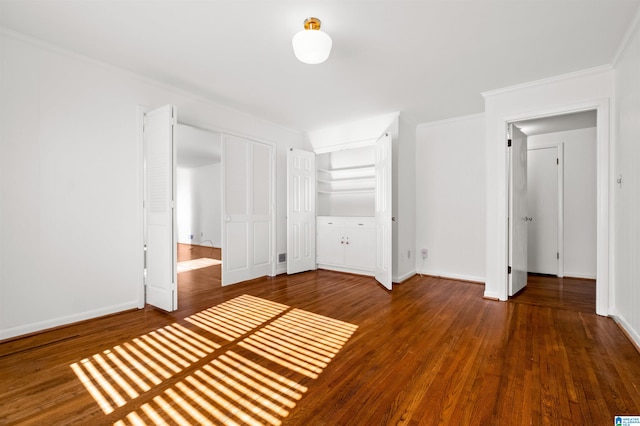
point(635, 337)
point(65, 321)
point(545, 81)
point(450, 276)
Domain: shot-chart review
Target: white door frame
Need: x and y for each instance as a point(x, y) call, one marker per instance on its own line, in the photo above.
point(603, 187)
point(559, 146)
point(140, 111)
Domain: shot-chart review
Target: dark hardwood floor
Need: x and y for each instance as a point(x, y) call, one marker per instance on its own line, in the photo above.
point(575, 294)
point(324, 348)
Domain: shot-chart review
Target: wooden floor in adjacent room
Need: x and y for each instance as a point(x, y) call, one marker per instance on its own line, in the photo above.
point(325, 348)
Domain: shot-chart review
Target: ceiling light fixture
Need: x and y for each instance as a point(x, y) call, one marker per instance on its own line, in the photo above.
point(311, 45)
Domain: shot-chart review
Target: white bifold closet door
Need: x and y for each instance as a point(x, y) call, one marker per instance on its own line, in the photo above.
point(159, 208)
point(247, 211)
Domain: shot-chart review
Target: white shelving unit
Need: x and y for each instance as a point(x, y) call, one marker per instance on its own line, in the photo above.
point(346, 183)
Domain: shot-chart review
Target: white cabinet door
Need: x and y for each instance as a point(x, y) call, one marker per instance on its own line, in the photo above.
point(330, 241)
point(360, 244)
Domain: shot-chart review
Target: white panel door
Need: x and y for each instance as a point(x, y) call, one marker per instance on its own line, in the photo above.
point(159, 196)
point(247, 209)
point(301, 211)
point(236, 224)
point(261, 256)
point(383, 211)
point(518, 219)
point(542, 207)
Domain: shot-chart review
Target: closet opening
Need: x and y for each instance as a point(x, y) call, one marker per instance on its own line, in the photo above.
point(198, 211)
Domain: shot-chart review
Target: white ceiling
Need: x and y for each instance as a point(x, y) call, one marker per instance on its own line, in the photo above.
point(196, 147)
point(428, 59)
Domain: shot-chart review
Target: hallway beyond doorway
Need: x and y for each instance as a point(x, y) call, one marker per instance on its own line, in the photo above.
point(573, 294)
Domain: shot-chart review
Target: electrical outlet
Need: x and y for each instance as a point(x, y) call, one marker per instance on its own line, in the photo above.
point(425, 253)
point(408, 254)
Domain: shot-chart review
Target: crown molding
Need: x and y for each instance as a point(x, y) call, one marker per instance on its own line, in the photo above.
point(582, 73)
point(451, 120)
point(628, 38)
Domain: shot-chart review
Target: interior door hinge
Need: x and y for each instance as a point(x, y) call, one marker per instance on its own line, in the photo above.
point(508, 142)
point(508, 269)
point(558, 256)
point(558, 161)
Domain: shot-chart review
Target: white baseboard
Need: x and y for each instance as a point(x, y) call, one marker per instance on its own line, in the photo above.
point(69, 319)
point(633, 334)
point(454, 276)
point(491, 295)
point(578, 275)
point(347, 270)
point(404, 277)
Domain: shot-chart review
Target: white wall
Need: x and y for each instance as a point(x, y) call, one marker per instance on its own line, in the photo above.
point(207, 206)
point(404, 201)
point(450, 198)
point(199, 201)
point(70, 182)
point(626, 263)
point(579, 198)
point(591, 89)
point(184, 195)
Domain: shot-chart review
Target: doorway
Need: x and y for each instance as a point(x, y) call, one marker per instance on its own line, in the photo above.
point(561, 191)
point(248, 203)
point(198, 210)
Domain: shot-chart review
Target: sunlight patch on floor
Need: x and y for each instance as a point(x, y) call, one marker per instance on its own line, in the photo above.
point(242, 362)
point(190, 265)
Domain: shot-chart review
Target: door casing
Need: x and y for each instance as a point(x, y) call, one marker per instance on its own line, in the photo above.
point(603, 187)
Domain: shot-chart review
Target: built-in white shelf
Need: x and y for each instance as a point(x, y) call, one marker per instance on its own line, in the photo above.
point(348, 180)
point(350, 172)
point(347, 191)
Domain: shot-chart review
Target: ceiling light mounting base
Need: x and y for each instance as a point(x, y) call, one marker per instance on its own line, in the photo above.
point(312, 24)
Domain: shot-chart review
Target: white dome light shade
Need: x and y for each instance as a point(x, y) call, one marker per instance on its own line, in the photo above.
point(311, 45)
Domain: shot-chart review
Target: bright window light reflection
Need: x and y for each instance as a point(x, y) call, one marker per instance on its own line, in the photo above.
point(190, 265)
point(243, 362)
